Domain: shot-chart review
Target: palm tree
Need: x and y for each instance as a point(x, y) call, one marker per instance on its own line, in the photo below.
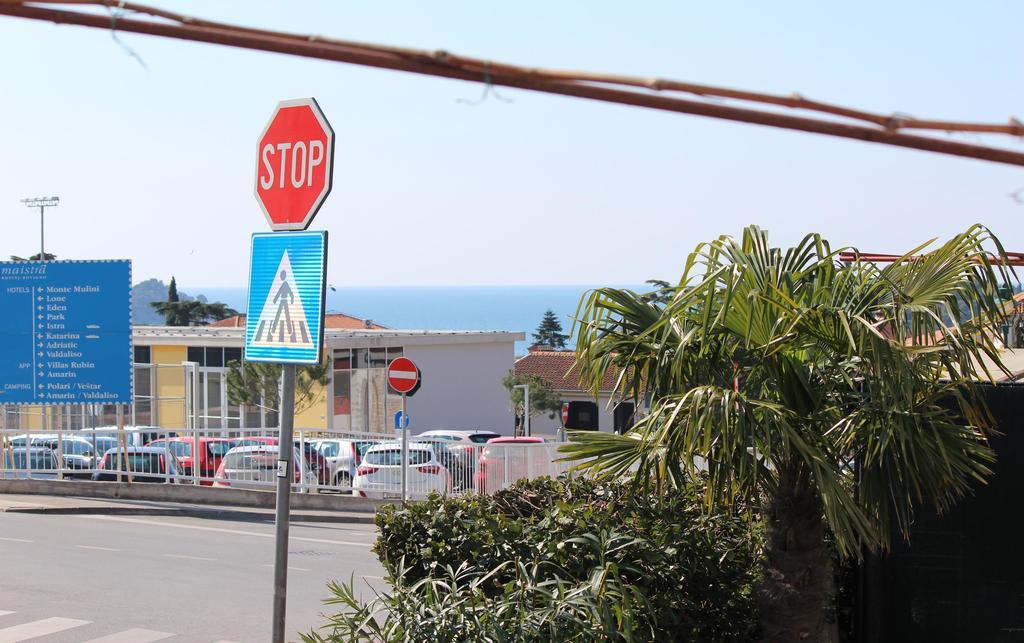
point(786, 374)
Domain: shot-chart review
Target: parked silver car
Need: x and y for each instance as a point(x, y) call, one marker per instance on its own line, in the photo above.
point(255, 467)
point(35, 462)
point(343, 457)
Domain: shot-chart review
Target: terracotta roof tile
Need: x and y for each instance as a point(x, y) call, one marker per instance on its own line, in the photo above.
point(554, 366)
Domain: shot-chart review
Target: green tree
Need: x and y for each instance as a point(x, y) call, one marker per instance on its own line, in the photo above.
point(781, 372)
point(256, 384)
point(172, 290)
point(543, 398)
point(192, 312)
point(661, 293)
point(549, 332)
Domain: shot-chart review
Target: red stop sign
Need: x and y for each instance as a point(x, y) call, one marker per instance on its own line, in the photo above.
point(294, 164)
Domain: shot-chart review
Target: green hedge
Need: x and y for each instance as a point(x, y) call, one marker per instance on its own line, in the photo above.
point(693, 573)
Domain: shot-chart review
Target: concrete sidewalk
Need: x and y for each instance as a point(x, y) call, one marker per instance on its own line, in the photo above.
point(73, 505)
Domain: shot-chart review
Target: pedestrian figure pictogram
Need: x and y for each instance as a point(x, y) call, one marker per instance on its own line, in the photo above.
point(282, 321)
point(284, 296)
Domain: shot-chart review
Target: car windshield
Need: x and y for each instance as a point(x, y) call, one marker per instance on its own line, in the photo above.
point(246, 442)
point(482, 438)
point(363, 446)
point(179, 449)
point(328, 449)
point(139, 462)
point(72, 447)
point(103, 444)
point(251, 460)
point(39, 459)
point(218, 449)
point(393, 457)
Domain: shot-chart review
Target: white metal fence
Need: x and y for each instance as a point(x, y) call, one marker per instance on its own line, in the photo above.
point(366, 465)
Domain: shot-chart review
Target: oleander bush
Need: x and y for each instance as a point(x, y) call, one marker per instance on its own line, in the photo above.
point(557, 560)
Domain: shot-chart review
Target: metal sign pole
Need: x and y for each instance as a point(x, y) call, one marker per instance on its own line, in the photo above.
point(405, 453)
point(284, 482)
point(526, 412)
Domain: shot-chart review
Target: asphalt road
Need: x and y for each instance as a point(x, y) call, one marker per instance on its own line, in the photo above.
point(135, 579)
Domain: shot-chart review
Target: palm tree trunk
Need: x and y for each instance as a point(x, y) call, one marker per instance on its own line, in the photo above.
point(797, 593)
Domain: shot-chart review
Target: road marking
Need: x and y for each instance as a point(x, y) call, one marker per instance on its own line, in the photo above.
point(16, 540)
point(294, 569)
point(36, 629)
point(96, 548)
point(222, 530)
point(187, 557)
point(135, 635)
point(5, 612)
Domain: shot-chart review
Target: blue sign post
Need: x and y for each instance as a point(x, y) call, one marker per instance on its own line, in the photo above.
point(65, 332)
point(284, 321)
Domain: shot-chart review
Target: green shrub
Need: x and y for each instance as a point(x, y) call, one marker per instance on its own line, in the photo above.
point(559, 560)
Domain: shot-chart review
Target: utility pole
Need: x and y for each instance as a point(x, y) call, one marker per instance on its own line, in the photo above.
point(42, 202)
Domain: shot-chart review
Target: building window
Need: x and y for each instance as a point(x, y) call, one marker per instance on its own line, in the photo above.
point(362, 401)
point(143, 355)
point(232, 355)
point(583, 416)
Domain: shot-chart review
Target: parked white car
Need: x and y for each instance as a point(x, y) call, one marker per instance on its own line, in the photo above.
point(255, 467)
point(463, 452)
point(380, 474)
point(452, 435)
point(343, 456)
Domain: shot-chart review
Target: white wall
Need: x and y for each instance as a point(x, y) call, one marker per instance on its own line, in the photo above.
point(462, 387)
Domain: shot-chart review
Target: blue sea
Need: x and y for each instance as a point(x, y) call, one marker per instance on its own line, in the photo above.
point(513, 308)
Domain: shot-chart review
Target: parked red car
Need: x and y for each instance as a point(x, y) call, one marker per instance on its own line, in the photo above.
point(505, 460)
point(211, 452)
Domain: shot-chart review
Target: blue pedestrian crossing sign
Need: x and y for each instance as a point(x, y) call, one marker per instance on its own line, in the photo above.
point(285, 315)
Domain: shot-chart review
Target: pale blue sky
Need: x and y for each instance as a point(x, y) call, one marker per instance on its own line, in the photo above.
point(157, 165)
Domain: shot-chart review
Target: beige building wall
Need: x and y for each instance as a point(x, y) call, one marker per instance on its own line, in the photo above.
point(314, 412)
point(170, 385)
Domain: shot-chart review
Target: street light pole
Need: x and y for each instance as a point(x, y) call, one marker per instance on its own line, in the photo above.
point(42, 202)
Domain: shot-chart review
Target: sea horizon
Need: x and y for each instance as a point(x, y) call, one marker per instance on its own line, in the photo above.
point(488, 308)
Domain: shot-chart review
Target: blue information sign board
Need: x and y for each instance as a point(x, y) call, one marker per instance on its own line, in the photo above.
point(285, 313)
point(65, 332)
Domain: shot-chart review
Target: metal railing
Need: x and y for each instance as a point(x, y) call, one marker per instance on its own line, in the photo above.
point(365, 465)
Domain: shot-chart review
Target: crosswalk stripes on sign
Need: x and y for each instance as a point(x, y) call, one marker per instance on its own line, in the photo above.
point(282, 321)
point(41, 629)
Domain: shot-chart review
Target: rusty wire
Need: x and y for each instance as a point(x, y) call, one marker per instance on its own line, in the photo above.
point(655, 93)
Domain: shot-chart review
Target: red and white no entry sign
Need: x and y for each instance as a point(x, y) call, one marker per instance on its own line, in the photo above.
point(294, 164)
point(403, 375)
